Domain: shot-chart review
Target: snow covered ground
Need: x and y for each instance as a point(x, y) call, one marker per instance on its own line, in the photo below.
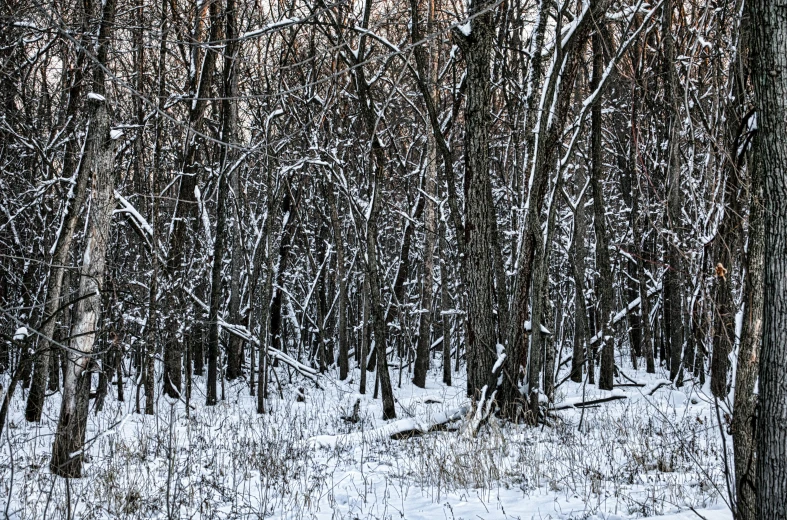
point(637, 456)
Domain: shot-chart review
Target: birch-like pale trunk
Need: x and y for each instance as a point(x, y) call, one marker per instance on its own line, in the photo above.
point(98, 158)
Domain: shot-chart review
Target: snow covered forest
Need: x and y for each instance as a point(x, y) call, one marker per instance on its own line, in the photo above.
point(371, 259)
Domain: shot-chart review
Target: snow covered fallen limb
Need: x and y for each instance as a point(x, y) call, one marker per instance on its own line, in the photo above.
point(578, 402)
point(614, 395)
point(243, 333)
point(400, 429)
point(622, 314)
point(652, 387)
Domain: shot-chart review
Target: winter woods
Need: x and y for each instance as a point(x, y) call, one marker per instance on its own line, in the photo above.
point(514, 195)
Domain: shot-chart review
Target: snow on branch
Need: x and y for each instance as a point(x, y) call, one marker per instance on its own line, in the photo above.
point(243, 333)
point(622, 314)
point(400, 429)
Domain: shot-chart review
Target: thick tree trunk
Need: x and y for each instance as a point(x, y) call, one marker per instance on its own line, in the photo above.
point(99, 156)
point(540, 276)
point(229, 112)
point(228, 134)
point(377, 310)
point(769, 28)
point(548, 313)
point(479, 206)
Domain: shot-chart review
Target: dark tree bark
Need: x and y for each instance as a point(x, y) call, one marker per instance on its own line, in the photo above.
point(430, 231)
point(578, 252)
point(228, 135)
point(199, 87)
point(480, 212)
point(673, 299)
point(364, 343)
point(769, 29)
point(341, 281)
point(378, 314)
point(427, 282)
point(544, 160)
point(445, 304)
point(604, 284)
point(745, 400)
point(215, 292)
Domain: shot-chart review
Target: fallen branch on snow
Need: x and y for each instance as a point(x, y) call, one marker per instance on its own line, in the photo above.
point(401, 429)
point(614, 396)
point(243, 333)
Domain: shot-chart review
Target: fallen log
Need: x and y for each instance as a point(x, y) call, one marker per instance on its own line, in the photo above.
point(614, 396)
point(401, 429)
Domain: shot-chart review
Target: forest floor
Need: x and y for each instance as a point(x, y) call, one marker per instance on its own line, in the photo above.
point(639, 455)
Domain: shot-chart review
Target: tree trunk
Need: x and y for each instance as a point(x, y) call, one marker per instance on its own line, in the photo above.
point(673, 304)
point(578, 252)
point(215, 291)
point(430, 232)
point(71, 209)
point(99, 156)
point(745, 400)
point(228, 134)
point(479, 206)
point(445, 304)
point(364, 343)
point(769, 28)
point(557, 89)
point(199, 87)
point(341, 281)
point(378, 314)
point(604, 285)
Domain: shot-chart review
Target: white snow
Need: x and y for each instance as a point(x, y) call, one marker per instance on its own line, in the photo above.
point(97, 97)
point(21, 333)
point(284, 22)
point(501, 357)
point(127, 207)
point(652, 451)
